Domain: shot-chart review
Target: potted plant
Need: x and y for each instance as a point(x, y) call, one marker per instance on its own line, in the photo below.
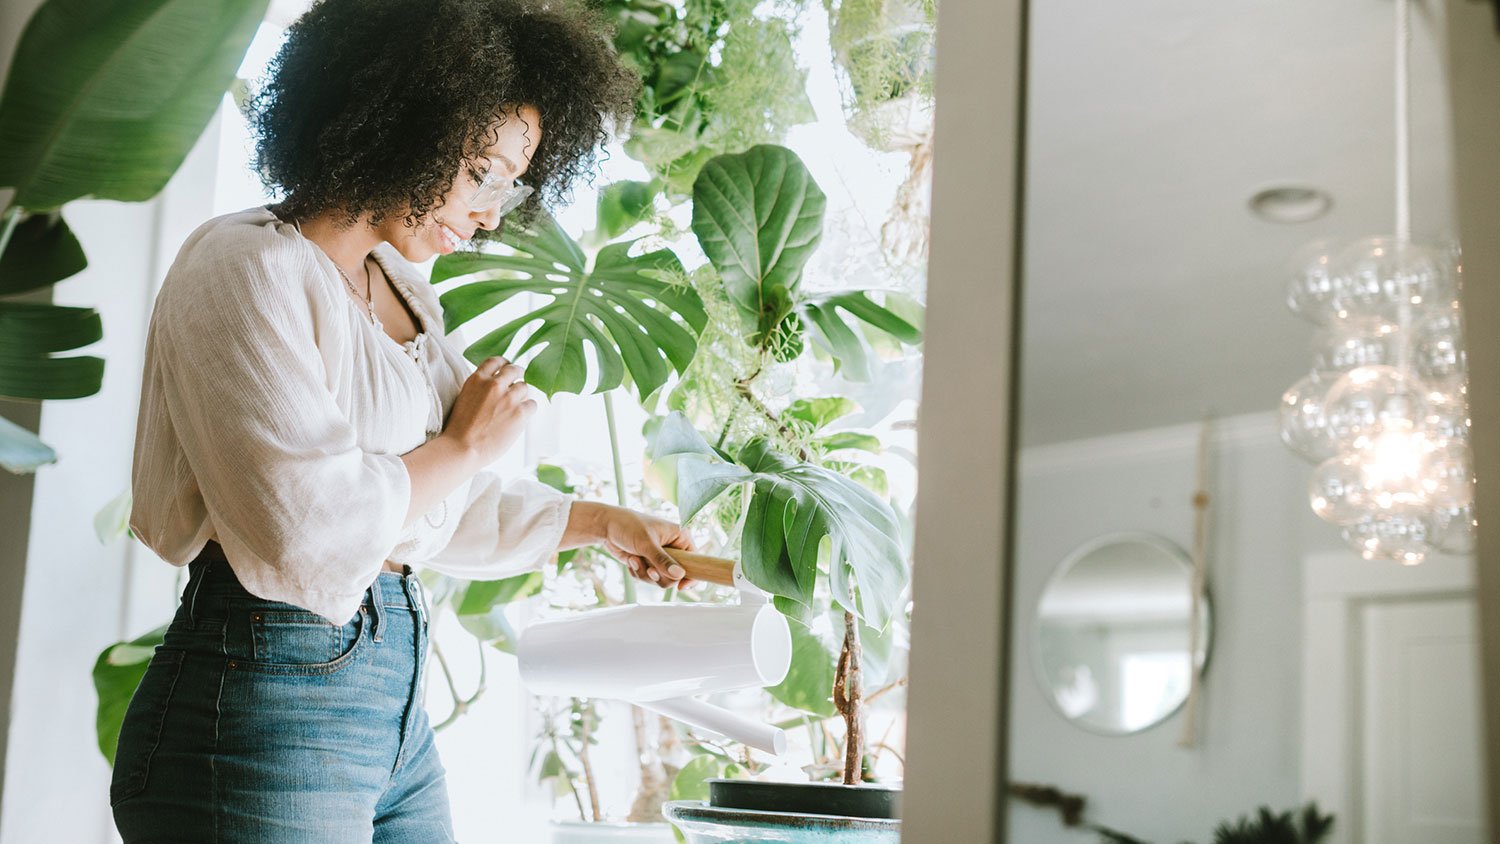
point(808, 529)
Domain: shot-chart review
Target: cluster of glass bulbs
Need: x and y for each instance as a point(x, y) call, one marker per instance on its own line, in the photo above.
point(1383, 414)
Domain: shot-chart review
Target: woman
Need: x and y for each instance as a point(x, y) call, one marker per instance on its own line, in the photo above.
point(307, 433)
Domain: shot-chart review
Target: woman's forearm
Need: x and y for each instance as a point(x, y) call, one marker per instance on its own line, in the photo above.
point(437, 467)
point(585, 524)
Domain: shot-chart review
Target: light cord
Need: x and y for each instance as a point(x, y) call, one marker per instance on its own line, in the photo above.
point(1403, 121)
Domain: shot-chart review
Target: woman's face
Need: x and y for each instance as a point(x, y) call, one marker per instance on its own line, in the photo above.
point(516, 138)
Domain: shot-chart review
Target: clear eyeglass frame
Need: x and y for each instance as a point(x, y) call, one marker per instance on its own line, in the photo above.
point(493, 193)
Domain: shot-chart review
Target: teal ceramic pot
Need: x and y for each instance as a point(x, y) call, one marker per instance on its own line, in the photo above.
point(704, 824)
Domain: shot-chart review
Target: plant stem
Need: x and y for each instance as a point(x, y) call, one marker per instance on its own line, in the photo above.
point(846, 698)
point(567, 777)
point(460, 704)
point(620, 497)
point(588, 768)
point(12, 217)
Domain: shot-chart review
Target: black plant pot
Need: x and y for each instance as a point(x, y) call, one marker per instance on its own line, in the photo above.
point(743, 811)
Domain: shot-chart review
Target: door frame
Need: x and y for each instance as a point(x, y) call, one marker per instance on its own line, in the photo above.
point(1473, 64)
point(956, 714)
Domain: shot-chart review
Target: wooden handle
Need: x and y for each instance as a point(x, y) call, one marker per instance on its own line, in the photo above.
point(703, 567)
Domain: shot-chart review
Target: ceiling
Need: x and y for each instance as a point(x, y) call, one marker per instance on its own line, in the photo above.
point(1152, 296)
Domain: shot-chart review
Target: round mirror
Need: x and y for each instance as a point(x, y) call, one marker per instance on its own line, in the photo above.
point(1114, 633)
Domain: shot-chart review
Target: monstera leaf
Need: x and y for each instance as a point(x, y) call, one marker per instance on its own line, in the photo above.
point(627, 307)
point(104, 99)
point(848, 349)
point(758, 216)
point(799, 514)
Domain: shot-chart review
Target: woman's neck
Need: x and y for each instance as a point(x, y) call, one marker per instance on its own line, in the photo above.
point(346, 245)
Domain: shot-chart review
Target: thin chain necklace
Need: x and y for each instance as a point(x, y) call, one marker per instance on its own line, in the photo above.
point(368, 298)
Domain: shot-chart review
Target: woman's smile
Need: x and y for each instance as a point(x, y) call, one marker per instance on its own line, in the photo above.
point(448, 239)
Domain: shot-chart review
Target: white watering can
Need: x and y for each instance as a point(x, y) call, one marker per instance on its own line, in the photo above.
point(660, 656)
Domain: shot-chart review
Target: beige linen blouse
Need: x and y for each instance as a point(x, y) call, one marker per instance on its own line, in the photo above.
point(273, 414)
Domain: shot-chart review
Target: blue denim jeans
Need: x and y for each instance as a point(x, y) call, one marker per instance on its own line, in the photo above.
point(259, 721)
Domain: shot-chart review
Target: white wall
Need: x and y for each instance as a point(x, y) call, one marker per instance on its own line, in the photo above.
point(1249, 744)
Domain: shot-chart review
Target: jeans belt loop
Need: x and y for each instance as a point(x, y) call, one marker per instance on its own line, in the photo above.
point(377, 611)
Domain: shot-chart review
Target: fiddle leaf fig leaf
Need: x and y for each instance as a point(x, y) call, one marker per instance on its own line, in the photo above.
point(626, 307)
point(758, 215)
point(795, 507)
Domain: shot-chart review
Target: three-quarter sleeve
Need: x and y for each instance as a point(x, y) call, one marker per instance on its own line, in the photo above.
point(504, 528)
point(305, 514)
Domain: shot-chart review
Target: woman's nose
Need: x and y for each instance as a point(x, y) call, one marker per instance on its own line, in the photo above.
point(487, 219)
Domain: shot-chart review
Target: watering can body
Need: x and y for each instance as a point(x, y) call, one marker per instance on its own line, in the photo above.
point(662, 655)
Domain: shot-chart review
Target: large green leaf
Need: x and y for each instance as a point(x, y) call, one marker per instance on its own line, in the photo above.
point(758, 216)
point(849, 350)
point(105, 98)
point(799, 515)
point(622, 205)
point(480, 607)
point(796, 506)
point(628, 308)
point(809, 682)
point(42, 251)
point(29, 333)
point(21, 451)
point(117, 672)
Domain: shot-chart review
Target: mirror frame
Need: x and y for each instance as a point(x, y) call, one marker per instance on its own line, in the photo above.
point(1166, 546)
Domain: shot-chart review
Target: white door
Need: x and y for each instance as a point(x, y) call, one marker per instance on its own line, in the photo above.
point(1391, 730)
point(1422, 775)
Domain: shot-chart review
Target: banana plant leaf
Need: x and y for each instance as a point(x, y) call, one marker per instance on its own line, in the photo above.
point(42, 250)
point(29, 333)
point(104, 99)
point(630, 309)
point(117, 672)
point(758, 215)
point(794, 508)
point(21, 451)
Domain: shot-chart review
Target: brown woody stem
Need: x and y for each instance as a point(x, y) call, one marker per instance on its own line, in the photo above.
point(848, 701)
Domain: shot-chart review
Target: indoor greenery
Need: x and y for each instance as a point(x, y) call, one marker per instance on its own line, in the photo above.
point(707, 352)
point(106, 110)
point(808, 517)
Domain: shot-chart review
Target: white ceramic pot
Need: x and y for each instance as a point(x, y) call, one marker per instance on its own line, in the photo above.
point(578, 832)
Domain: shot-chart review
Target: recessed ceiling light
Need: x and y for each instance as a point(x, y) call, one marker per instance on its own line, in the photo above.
point(1290, 204)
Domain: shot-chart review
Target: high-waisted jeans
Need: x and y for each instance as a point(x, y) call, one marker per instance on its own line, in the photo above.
point(259, 721)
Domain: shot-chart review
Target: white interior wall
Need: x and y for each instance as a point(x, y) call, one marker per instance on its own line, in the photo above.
point(1261, 528)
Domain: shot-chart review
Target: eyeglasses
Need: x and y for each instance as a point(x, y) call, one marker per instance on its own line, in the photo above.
point(494, 193)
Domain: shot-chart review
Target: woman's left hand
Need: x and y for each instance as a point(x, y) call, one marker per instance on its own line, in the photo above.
point(638, 539)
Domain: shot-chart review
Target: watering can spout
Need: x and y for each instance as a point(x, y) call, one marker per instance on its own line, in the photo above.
point(721, 722)
point(659, 656)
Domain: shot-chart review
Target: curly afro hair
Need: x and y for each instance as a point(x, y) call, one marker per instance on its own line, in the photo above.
point(373, 105)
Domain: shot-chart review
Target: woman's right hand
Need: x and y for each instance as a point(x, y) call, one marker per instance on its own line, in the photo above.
point(490, 411)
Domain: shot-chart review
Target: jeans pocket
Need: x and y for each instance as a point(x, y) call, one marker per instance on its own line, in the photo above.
point(283, 640)
point(140, 731)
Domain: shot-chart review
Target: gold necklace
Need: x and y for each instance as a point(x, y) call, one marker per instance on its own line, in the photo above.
point(368, 298)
